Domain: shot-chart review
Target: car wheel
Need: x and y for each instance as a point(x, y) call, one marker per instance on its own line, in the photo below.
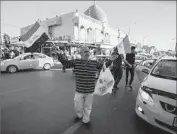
point(12, 69)
point(47, 66)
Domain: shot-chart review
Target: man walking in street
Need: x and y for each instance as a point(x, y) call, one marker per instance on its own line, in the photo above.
point(85, 71)
point(117, 67)
point(130, 57)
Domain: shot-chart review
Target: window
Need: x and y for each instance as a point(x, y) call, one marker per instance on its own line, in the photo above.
point(37, 56)
point(28, 57)
point(148, 63)
point(166, 69)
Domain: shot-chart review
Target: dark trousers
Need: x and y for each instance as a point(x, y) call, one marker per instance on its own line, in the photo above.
point(117, 72)
point(131, 70)
point(64, 68)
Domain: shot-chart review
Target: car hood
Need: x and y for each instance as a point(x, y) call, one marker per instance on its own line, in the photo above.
point(9, 61)
point(160, 84)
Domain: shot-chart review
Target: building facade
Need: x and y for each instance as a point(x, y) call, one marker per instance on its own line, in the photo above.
point(90, 27)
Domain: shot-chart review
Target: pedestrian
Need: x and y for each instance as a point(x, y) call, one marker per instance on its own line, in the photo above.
point(78, 56)
point(130, 57)
point(6, 53)
point(65, 57)
point(85, 72)
point(117, 67)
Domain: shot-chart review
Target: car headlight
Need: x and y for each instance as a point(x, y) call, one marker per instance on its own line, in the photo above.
point(146, 95)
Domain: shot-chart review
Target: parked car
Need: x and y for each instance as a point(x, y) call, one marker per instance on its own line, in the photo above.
point(139, 58)
point(27, 61)
point(157, 96)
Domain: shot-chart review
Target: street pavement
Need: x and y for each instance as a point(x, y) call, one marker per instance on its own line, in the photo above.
point(41, 102)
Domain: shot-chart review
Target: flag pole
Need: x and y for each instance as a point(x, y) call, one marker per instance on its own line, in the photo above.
point(118, 38)
point(118, 35)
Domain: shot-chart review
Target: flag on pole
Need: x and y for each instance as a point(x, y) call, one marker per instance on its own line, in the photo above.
point(124, 46)
point(120, 48)
point(33, 34)
point(127, 44)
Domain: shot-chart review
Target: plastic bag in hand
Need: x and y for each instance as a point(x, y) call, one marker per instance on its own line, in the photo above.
point(105, 83)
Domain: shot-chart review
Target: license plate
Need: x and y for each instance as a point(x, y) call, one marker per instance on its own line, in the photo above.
point(175, 122)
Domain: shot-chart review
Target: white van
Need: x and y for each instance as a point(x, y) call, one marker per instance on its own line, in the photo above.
point(157, 97)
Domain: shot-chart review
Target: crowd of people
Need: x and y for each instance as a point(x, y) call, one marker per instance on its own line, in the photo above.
point(10, 52)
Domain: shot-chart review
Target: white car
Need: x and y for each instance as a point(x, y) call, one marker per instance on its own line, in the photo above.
point(157, 97)
point(27, 61)
point(139, 59)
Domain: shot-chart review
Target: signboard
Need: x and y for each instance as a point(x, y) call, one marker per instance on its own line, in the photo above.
point(61, 38)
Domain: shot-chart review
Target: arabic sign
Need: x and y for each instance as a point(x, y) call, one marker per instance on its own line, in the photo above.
point(61, 38)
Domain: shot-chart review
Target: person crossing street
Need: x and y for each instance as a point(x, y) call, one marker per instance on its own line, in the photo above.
point(130, 57)
point(117, 59)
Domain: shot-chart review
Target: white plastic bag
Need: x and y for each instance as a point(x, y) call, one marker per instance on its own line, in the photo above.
point(105, 83)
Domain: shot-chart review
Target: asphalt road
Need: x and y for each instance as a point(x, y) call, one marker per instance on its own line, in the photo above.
point(41, 102)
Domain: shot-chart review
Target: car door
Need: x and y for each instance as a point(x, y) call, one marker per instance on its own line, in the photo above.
point(34, 62)
point(143, 69)
point(41, 59)
point(25, 62)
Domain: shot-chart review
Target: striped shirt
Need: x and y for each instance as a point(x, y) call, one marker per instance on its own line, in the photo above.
point(85, 74)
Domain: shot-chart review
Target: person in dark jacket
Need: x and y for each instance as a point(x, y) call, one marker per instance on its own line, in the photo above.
point(62, 57)
point(130, 57)
point(117, 67)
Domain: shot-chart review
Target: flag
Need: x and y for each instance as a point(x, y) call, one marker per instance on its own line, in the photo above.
point(127, 44)
point(120, 48)
point(124, 46)
point(33, 34)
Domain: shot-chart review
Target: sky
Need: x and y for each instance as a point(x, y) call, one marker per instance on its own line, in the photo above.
point(151, 23)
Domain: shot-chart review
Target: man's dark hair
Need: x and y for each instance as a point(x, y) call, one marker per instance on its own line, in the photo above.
point(132, 48)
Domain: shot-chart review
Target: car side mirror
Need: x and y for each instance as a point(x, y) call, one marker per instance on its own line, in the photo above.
point(145, 70)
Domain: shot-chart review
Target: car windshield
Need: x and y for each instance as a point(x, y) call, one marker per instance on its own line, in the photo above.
point(165, 69)
point(18, 57)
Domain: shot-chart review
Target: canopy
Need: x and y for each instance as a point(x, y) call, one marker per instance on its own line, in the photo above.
point(35, 34)
point(106, 46)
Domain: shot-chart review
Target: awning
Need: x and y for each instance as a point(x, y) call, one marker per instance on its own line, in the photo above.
point(106, 46)
point(65, 42)
point(74, 45)
point(35, 34)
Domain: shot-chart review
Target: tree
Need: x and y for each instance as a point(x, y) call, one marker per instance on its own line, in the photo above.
point(6, 38)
